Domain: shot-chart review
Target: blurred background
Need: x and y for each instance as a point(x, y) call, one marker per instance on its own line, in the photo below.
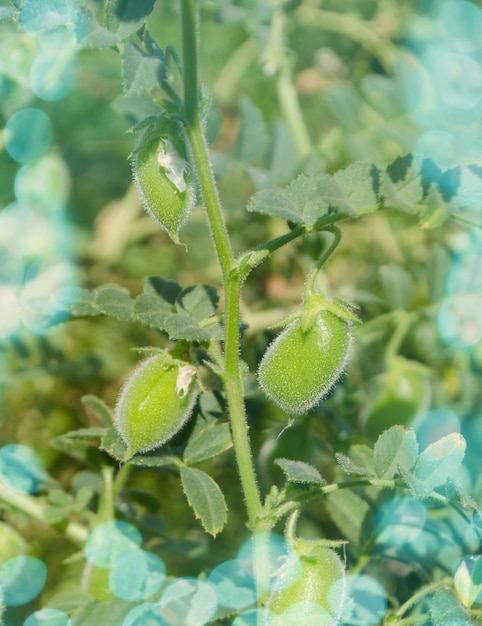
point(300, 86)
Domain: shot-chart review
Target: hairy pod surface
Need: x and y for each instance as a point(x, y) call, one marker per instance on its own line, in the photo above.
point(155, 403)
point(317, 592)
point(163, 179)
point(302, 364)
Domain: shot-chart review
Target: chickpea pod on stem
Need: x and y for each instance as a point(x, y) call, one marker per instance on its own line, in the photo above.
point(155, 403)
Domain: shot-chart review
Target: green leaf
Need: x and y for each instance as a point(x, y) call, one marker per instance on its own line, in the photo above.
point(207, 442)
point(68, 601)
point(167, 307)
point(353, 190)
point(445, 610)
point(80, 444)
point(179, 326)
point(110, 613)
point(151, 310)
point(126, 17)
point(402, 185)
point(395, 448)
point(99, 408)
point(76, 301)
point(300, 472)
point(349, 511)
point(359, 185)
point(212, 405)
point(142, 71)
point(199, 301)
point(440, 460)
point(113, 444)
point(468, 580)
point(397, 285)
point(206, 499)
point(359, 463)
point(89, 33)
point(159, 458)
point(156, 302)
point(273, 202)
point(115, 301)
point(345, 104)
point(313, 195)
point(252, 137)
point(282, 154)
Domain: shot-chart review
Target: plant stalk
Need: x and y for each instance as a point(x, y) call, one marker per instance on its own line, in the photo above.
point(231, 279)
point(33, 507)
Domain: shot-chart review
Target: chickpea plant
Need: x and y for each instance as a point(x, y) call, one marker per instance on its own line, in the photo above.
point(189, 399)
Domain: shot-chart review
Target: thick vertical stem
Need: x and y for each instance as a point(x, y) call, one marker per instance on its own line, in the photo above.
point(189, 55)
point(231, 279)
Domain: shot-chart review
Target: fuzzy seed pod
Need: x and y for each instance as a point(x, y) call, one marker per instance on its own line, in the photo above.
point(302, 364)
point(163, 178)
point(155, 403)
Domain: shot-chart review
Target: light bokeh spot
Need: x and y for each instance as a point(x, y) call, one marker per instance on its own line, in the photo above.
point(235, 587)
point(110, 539)
point(28, 135)
point(22, 579)
point(146, 614)
point(366, 601)
point(48, 617)
point(43, 185)
point(21, 469)
point(400, 521)
point(53, 74)
point(188, 602)
point(281, 564)
point(136, 575)
point(459, 319)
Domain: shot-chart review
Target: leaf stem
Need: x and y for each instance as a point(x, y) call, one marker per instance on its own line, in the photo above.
point(352, 27)
point(334, 230)
point(231, 278)
point(279, 61)
point(253, 257)
point(424, 591)
point(32, 506)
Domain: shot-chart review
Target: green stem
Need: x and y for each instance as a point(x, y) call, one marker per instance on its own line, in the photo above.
point(252, 258)
point(287, 93)
point(352, 27)
point(77, 533)
point(424, 591)
point(189, 56)
point(121, 478)
point(402, 320)
point(231, 278)
point(234, 392)
point(290, 105)
point(408, 621)
point(106, 502)
point(324, 256)
point(227, 82)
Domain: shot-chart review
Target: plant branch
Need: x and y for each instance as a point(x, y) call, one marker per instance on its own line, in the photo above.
point(34, 507)
point(250, 259)
point(335, 231)
point(231, 279)
point(352, 27)
point(424, 591)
